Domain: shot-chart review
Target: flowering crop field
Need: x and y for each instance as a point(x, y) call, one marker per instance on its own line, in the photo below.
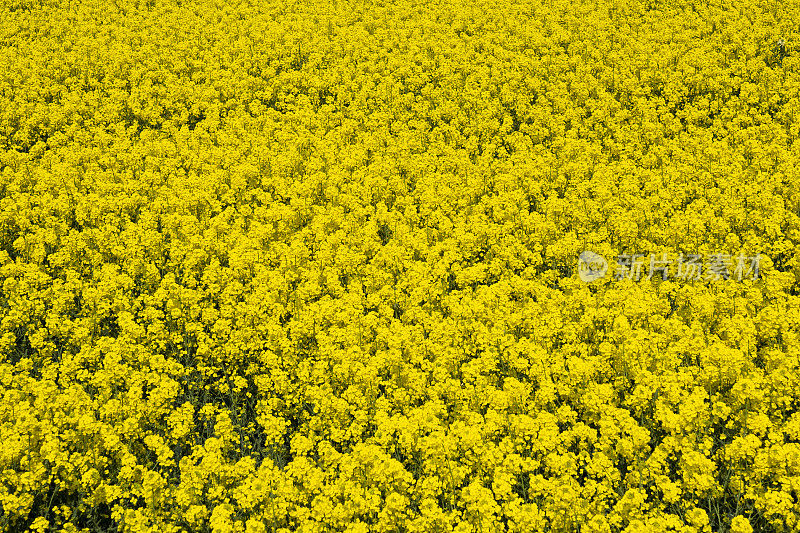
point(283, 266)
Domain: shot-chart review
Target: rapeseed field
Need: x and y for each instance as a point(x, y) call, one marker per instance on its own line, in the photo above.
point(399, 266)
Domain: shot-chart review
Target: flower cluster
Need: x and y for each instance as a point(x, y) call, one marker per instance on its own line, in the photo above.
point(309, 266)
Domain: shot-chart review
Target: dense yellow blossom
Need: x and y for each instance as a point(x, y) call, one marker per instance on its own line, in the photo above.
point(311, 266)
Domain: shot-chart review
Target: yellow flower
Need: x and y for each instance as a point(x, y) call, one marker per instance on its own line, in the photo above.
point(740, 524)
point(220, 520)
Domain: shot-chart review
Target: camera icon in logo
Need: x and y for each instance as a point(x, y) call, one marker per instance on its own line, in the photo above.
point(591, 266)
